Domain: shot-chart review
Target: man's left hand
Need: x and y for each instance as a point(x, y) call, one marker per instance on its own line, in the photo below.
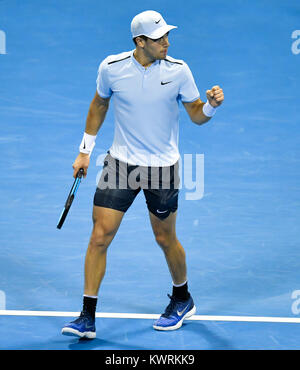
point(215, 96)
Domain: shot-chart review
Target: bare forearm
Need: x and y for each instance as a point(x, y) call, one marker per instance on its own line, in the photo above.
point(201, 112)
point(195, 111)
point(96, 115)
point(197, 115)
point(95, 118)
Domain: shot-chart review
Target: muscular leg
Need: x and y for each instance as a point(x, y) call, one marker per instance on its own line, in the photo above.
point(181, 304)
point(165, 235)
point(106, 223)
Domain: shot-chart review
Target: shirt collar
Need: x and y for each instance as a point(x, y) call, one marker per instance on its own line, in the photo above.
point(139, 66)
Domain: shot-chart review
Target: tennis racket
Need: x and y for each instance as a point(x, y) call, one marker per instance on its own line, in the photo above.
point(70, 198)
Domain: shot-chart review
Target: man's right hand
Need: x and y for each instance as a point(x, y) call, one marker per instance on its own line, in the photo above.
point(82, 161)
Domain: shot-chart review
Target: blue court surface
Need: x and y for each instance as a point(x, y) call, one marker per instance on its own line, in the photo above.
point(241, 235)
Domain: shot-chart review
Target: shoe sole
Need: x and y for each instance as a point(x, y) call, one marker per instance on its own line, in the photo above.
point(179, 324)
point(76, 333)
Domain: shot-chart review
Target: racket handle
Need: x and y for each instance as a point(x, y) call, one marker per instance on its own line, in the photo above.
point(80, 173)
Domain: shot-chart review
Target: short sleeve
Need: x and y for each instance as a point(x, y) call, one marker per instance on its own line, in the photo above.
point(188, 91)
point(103, 85)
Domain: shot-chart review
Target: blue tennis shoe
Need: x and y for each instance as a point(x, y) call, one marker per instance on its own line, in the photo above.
point(83, 327)
point(175, 313)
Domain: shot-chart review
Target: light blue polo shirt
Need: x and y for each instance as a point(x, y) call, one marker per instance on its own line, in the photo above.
point(146, 106)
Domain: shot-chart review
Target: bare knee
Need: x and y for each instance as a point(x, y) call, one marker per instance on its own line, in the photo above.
point(101, 237)
point(106, 223)
point(165, 240)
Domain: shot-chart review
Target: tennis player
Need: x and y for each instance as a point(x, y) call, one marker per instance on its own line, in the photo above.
point(147, 86)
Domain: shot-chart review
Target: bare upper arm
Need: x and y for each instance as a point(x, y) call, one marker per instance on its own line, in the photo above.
point(98, 101)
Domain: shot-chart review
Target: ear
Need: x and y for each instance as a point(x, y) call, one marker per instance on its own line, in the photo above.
point(140, 42)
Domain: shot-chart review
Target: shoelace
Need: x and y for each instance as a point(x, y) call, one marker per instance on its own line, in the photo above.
point(170, 307)
point(82, 318)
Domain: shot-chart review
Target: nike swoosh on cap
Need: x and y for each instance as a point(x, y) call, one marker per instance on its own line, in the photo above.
point(158, 211)
point(157, 21)
point(164, 83)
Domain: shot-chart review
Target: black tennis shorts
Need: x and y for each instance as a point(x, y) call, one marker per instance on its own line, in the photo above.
point(120, 183)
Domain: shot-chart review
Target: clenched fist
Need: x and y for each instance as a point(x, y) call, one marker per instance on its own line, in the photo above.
point(215, 96)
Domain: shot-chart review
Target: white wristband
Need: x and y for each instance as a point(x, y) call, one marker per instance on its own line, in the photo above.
point(87, 144)
point(208, 110)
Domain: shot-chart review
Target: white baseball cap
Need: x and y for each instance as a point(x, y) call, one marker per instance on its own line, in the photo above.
point(150, 24)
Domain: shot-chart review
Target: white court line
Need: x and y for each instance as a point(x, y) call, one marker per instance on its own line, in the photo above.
point(153, 316)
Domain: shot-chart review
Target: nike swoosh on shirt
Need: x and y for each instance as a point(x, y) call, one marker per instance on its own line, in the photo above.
point(164, 83)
